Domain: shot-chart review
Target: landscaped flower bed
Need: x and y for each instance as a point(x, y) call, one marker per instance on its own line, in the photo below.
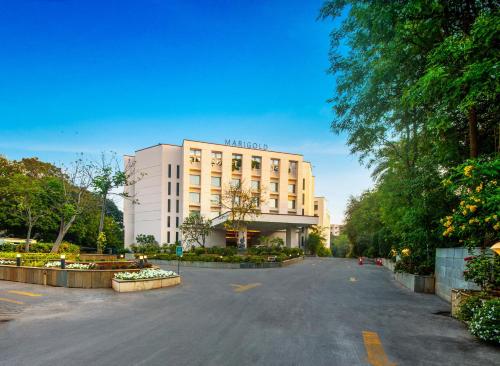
point(144, 274)
point(7, 262)
point(71, 265)
point(145, 279)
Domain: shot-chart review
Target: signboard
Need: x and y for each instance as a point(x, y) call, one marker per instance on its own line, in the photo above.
point(245, 144)
point(178, 250)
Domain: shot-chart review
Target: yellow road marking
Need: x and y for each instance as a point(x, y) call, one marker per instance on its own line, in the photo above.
point(353, 279)
point(24, 293)
point(375, 350)
point(11, 301)
point(243, 288)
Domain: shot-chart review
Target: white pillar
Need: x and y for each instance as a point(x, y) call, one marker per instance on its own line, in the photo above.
point(242, 239)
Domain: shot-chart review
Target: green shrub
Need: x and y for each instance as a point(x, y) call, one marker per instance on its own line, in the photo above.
point(29, 258)
point(485, 323)
point(324, 252)
point(468, 307)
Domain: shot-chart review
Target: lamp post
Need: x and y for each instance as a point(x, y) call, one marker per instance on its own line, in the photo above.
point(18, 259)
point(63, 261)
point(141, 261)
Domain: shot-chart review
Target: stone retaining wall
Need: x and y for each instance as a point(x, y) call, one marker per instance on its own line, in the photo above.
point(449, 271)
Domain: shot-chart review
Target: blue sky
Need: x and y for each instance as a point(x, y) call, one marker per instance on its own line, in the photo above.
point(91, 76)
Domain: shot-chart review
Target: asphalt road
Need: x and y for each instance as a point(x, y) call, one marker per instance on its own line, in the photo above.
point(319, 312)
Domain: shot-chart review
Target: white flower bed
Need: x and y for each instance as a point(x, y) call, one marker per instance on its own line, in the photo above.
point(3, 261)
point(57, 264)
point(144, 274)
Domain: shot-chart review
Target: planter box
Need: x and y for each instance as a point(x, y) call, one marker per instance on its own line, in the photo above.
point(142, 285)
point(76, 278)
point(458, 296)
point(389, 264)
point(416, 283)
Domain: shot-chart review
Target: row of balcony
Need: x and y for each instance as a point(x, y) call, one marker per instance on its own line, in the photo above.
point(237, 162)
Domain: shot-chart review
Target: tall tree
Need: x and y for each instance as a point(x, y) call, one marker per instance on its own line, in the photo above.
point(72, 184)
point(242, 205)
point(196, 229)
point(109, 177)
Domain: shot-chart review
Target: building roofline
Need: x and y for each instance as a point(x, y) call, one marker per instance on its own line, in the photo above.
point(238, 147)
point(158, 144)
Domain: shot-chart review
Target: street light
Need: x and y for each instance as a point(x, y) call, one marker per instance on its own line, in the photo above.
point(63, 261)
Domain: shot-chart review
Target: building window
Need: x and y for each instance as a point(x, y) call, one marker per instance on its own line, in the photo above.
point(168, 205)
point(275, 187)
point(236, 162)
point(169, 188)
point(194, 212)
point(215, 199)
point(177, 206)
point(273, 203)
point(275, 165)
point(168, 221)
point(178, 171)
point(315, 206)
point(194, 180)
point(303, 198)
point(216, 182)
point(194, 197)
point(168, 237)
point(255, 185)
point(303, 183)
point(195, 155)
point(256, 201)
point(235, 182)
point(176, 236)
point(177, 221)
point(291, 188)
point(292, 167)
point(216, 159)
point(256, 162)
point(170, 170)
point(177, 189)
point(291, 204)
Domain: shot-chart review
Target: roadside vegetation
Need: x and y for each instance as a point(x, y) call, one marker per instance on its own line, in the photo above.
point(417, 96)
point(56, 205)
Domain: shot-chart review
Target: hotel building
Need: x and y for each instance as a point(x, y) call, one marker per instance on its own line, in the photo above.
point(175, 181)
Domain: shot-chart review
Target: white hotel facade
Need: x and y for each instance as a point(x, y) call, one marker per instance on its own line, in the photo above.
point(174, 181)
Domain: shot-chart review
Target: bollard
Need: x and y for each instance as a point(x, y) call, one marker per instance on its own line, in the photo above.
point(360, 261)
point(63, 261)
point(18, 259)
point(141, 261)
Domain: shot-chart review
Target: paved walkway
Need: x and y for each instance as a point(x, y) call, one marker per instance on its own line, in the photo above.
point(319, 312)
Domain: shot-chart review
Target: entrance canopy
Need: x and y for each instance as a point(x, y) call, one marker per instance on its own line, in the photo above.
point(270, 222)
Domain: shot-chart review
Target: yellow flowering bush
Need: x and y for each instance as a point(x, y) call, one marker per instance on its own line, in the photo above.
point(474, 221)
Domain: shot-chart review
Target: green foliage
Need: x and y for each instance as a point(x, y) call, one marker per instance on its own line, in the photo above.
point(195, 229)
point(485, 323)
point(468, 307)
point(483, 270)
point(49, 187)
point(324, 252)
point(101, 242)
point(271, 241)
point(416, 94)
point(340, 246)
point(475, 219)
